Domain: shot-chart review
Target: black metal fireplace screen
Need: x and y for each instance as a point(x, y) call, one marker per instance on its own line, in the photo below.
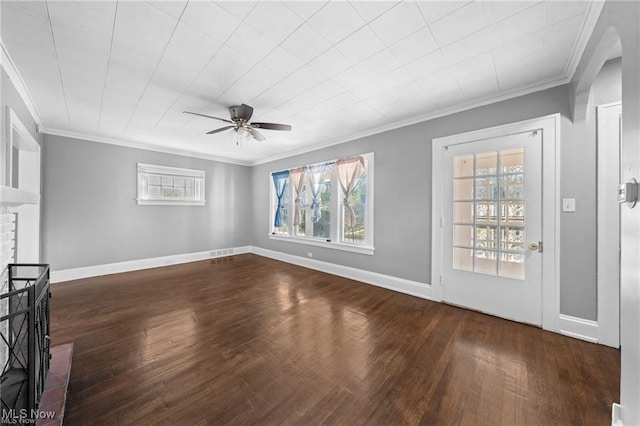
point(24, 339)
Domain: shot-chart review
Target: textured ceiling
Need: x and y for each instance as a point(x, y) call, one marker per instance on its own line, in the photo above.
point(126, 70)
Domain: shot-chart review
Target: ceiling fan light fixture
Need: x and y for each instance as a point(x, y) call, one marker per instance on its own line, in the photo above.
point(242, 135)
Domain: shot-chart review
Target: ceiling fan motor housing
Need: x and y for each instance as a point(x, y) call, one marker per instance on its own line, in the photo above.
point(240, 112)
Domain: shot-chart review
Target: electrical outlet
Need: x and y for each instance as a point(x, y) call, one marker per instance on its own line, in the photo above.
point(309, 254)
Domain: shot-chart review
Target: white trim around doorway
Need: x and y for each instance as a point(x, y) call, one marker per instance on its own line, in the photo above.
point(550, 126)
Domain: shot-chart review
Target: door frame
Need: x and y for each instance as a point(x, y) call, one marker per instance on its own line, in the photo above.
point(608, 265)
point(550, 126)
point(29, 156)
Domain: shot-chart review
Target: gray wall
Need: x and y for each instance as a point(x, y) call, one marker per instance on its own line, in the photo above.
point(91, 217)
point(403, 229)
point(578, 269)
point(402, 185)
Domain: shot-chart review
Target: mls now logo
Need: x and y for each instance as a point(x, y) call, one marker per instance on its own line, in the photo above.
point(24, 416)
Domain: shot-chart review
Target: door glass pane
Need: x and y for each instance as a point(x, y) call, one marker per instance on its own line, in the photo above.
point(463, 235)
point(488, 213)
point(485, 262)
point(463, 189)
point(512, 239)
point(512, 265)
point(513, 213)
point(512, 187)
point(486, 188)
point(514, 179)
point(487, 164)
point(512, 161)
point(463, 212)
point(511, 191)
point(486, 237)
point(463, 166)
point(463, 259)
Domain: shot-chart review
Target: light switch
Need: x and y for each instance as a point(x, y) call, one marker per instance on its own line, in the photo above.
point(569, 205)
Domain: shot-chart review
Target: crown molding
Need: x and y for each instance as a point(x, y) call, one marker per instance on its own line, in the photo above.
point(547, 84)
point(141, 145)
point(544, 85)
point(593, 14)
point(14, 76)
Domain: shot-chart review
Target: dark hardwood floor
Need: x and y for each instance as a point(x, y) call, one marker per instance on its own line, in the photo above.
point(249, 340)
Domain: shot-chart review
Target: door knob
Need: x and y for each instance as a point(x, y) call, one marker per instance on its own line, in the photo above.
point(533, 246)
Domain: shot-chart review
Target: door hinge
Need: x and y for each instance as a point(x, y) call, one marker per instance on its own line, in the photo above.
point(440, 279)
point(441, 222)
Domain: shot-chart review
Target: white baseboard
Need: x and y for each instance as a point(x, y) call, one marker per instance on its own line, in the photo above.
point(413, 288)
point(136, 265)
point(579, 328)
point(401, 285)
point(616, 419)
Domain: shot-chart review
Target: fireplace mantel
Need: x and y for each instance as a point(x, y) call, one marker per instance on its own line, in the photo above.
point(12, 198)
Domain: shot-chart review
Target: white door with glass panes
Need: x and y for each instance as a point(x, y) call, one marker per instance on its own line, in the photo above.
point(492, 226)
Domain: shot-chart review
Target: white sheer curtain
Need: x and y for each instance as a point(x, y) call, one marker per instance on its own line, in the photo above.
point(297, 180)
point(349, 170)
point(315, 174)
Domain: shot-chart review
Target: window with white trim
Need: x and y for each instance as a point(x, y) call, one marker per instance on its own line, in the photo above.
point(170, 185)
point(327, 204)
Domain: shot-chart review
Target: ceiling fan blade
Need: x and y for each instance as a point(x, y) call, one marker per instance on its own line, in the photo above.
point(256, 134)
point(243, 112)
point(221, 129)
point(272, 126)
point(208, 116)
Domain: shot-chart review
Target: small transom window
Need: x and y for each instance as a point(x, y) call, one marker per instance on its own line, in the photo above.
point(170, 185)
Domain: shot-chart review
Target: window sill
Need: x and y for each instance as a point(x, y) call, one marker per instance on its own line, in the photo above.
point(320, 243)
point(169, 203)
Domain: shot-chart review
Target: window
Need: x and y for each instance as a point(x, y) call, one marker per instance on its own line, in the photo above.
point(315, 220)
point(170, 185)
point(352, 176)
point(328, 204)
point(488, 210)
point(281, 200)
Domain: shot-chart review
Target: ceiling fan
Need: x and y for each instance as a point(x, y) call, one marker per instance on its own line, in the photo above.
point(240, 116)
